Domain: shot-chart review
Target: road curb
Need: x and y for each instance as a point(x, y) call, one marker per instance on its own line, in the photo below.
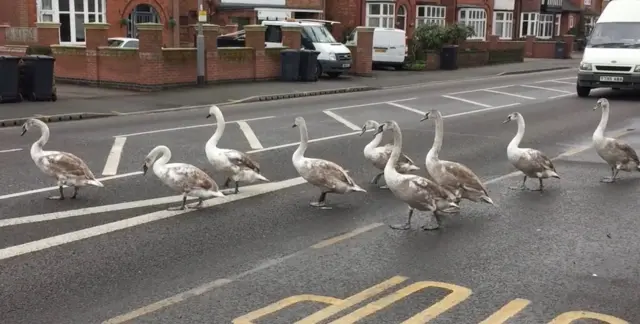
point(13, 122)
point(536, 70)
point(304, 94)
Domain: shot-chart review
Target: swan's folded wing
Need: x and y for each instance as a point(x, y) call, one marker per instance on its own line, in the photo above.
point(242, 159)
point(430, 187)
point(465, 176)
point(628, 151)
point(330, 169)
point(67, 163)
point(192, 177)
point(403, 157)
point(538, 160)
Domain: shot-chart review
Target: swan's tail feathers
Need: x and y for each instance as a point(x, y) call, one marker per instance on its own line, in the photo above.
point(555, 175)
point(95, 183)
point(217, 194)
point(261, 177)
point(413, 168)
point(487, 200)
point(357, 188)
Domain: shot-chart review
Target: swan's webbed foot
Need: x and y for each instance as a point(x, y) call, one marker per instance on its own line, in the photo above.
point(61, 197)
point(182, 207)
point(522, 186)
point(608, 180)
point(75, 193)
point(434, 225)
point(321, 203)
point(540, 188)
point(198, 205)
point(405, 226)
point(236, 189)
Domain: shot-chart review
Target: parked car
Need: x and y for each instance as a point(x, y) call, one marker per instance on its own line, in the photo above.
point(123, 42)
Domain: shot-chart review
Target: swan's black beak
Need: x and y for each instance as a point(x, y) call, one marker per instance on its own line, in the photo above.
point(209, 116)
point(364, 130)
point(595, 107)
point(426, 116)
point(506, 121)
point(145, 168)
point(294, 126)
point(379, 130)
point(24, 130)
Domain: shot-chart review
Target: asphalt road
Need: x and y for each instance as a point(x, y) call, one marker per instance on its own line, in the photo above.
point(266, 256)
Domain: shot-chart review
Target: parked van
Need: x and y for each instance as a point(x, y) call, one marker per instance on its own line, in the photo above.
point(389, 46)
point(334, 58)
point(611, 58)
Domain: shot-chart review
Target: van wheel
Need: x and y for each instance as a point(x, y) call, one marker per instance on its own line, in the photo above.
point(318, 70)
point(583, 91)
point(333, 75)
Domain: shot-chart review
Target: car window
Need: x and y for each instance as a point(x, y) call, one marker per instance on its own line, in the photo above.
point(273, 34)
point(115, 43)
point(131, 44)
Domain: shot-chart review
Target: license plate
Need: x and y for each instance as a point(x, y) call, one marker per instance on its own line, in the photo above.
point(346, 65)
point(611, 78)
point(380, 50)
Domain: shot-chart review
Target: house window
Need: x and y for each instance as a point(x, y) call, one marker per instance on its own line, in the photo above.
point(590, 22)
point(503, 24)
point(558, 25)
point(380, 14)
point(476, 19)
point(545, 26)
point(401, 18)
point(571, 21)
point(430, 15)
point(528, 24)
point(72, 15)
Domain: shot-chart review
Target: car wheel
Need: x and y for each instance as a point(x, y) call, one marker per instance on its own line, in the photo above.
point(583, 91)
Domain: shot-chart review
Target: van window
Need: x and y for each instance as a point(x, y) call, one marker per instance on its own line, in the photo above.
point(318, 34)
point(615, 35)
point(273, 34)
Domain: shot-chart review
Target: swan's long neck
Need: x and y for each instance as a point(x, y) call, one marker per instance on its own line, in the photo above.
point(599, 133)
point(220, 123)
point(304, 142)
point(162, 156)
point(434, 152)
point(375, 142)
point(515, 142)
point(389, 169)
point(36, 147)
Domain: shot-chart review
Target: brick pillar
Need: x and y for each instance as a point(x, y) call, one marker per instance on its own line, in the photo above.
point(3, 34)
point(364, 51)
point(48, 33)
point(150, 54)
point(569, 39)
point(228, 29)
point(211, 33)
point(96, 35)
point(254, 37)
point(292, 37)
point(528, 46)
point(493, 41)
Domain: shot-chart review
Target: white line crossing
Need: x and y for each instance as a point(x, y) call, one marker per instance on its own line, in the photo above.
point(370, 104)
point(509, 94)
point(189, 127)
point(543, 88)
point(250, 135)
point(417, 111)
point(563, 82)
point(113, 159)
point(343, 121)
point(467, 101)
point(11, 150)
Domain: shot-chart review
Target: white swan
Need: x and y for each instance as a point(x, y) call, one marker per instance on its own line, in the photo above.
point(531, 162)
point(619, 155)
point(330, 177)
point(68, 169)
point(182, 177)
point(235, 165)
point(454, 176)
point(417, 192)
point(379, 155)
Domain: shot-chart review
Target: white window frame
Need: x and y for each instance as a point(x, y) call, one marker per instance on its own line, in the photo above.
point(432, 15)
point(506, 32)
point(545, 26)
point(532, 24)
point(403, 15)
point(571, 21)
point(590, 22)
point(476, 18)
point(558, 24)
point(389, 17)
point(99, 12)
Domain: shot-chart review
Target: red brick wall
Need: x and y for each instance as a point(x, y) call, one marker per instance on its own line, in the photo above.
point(529, 6)
point(306, 4)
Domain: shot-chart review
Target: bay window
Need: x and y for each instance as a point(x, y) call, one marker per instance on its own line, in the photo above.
point(430, 15)
point(503, 24)
point(545, 26)
point(528, 24)
point(476, 19)
point(381, 14)
point(71, 15)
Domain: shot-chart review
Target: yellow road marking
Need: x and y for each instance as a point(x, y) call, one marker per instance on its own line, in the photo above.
point(340, 238)
point(282, 304)
point(570, 317)
point(507, 311)
point(458, 294)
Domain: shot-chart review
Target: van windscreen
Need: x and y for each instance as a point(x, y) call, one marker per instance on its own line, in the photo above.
point(318, 34)
point(615, 35)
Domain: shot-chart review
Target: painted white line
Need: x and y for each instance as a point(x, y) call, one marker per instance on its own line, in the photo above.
point(370, 104)
point(417, 111)
point(464, 113)
point(467, 101)
point(563, 82)
point(250, 135)
point(562, 95)
point(341, 120)
point(319, 139)
point(249, 191)
point(30, 192)
point(113, 160)
point(509, 94)
point(478, 90)
point(543, 88)
point(11, 150)
point(189, 127)
point(569, 78)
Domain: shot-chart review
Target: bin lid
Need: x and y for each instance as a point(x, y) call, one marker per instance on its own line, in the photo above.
point(38, 57)
point(8, 57)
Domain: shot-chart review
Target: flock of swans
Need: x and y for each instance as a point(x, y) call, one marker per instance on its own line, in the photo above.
point(451, 181)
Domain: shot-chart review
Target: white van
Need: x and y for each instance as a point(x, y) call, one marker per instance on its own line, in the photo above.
point(334, 58)
point(611, 58)
point(389, 46)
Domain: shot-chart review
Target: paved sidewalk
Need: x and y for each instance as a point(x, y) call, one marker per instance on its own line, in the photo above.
point(76, 102)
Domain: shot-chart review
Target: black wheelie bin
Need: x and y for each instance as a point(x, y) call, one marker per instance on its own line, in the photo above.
point(37, 80)
point(289, 65)
point(9, 90)
point(308, 65)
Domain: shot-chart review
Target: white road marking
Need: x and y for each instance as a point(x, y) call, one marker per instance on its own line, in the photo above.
point(11, 150)
point(542, 88)
point(467, 101)
point(370, 104)
point(342, 120)
point(319, 139)
point(417, 111)
point(30, 192)
point(249, 191)
point(189, 127)
point(464, 113)
point(509, 94)
point(562, 95)
point(113, 160)
point(563, 82)
point(477, 90)
point(250, 135)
